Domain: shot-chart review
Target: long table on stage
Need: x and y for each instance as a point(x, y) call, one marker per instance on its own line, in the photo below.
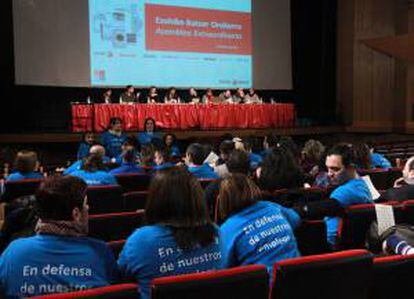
point(95, 117)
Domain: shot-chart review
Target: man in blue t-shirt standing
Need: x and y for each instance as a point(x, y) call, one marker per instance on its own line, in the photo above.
point(60, 257)
point(350, 188)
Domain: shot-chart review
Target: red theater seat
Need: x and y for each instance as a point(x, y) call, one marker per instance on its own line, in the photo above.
point(392, 277)
point(340, 275)
point(105, 199)
point(242, 283)
point(311, 237)
point(135, 200)
point(133, 182)
point(16, 189)
point(120, 291)
point(117, 226)
point(116, 247)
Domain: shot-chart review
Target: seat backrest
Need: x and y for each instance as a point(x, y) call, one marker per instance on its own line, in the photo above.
point(311, 237)
point(379, 177)
point(116, 226)
point(356, 222)
point(133, 182)
point(337, 275)
point(105, 199)
point(16, 189)
point(118, 291)
point(393, 174)
point(409, 211)
point(241, 282)
point(135, 200)
point(392, 277)
point(116, 247)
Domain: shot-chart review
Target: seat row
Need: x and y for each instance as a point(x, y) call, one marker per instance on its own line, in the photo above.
point(348, 274)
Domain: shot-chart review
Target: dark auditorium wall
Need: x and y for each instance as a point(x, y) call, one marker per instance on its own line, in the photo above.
point(27, 109)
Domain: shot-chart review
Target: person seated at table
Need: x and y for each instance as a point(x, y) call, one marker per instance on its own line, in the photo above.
point(60, 257)
point(252, 97)
point(170, 143)
point(97, 150)
point(239, 96)
point(192, 97)
point(178, 232)
point(208, 96)
point(107, 96)
point(172, 96)
point(25, 167)
point(226, 97)
point(128, 96)
point(254, 231)
point(114, 137)
point(88, 139)
point(153, 96)
point(150, 134)
point(194, 159)
point(93, 172)
point(162, 159)
point(128, 164)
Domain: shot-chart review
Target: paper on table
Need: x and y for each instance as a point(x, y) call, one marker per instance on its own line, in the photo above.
point(385, 217)
point(374, 192)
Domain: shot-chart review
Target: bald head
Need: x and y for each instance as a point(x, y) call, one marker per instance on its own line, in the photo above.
point(97, 150)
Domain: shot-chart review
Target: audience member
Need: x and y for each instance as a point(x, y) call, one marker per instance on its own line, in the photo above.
point(225, 148)
point(25, 167)
point(312, 155)
point(362, 156)
point(254, 231)
point(114, 137)
point(170, 143)
point(130, 144)
point(128, 165)
point(254, 159)
point(162, 159)
point(350, 188)
point(378, 160)
point(403, 187)
point(96, 150)
point(270, 142)
point(93, 172)
point(88, 139)
point(150, 134)
point(195, 156)
point(60, 258)
point(179, 238)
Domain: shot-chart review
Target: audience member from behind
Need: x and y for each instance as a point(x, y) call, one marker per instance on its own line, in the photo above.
point(130, 144)
point(362, 156)
point(114, 137)
point(254, 231)
point(254, 159)
point(128, 165)
point(25, 167)
point(179, 237)
point(60, 258)
point(378, 160)
point(350, 189)
point(194, 159)
point(96, 150)
point(270, 142)
point(403, 187)
point(93, 172)
point(312, 154)
point(88, 140)
point(150, 134)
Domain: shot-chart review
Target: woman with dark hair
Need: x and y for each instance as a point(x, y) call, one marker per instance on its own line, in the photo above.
point(150, 134)
point(172, 96)
point(93, 172)
point(170, 143)
point(128, 164)
point(362, 156)
point(25, 167)
point(114, 137)
point(152, 97)
point(208, 97)
point(254, 231)
point(279, 170)
point(162, 159)
point(88, 139)
point(179, 238)
point(60, 257)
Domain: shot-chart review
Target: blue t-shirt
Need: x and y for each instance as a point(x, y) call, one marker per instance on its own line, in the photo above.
point(203, 172)
point(175, 151)
point(46, 264)
point(259, 234)
point(255, 160)
point(146, 138)
point(83, 150)
point(353, 192)
point(152, 252)
point(113, 143)
point(18, 176)
point(97, 178)
point(163, 166)
point(127, 168)
point(379, 161)
point(78, 165)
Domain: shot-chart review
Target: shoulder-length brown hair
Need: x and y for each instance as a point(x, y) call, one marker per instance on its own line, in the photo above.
point(237, 192)
point(176, 200)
